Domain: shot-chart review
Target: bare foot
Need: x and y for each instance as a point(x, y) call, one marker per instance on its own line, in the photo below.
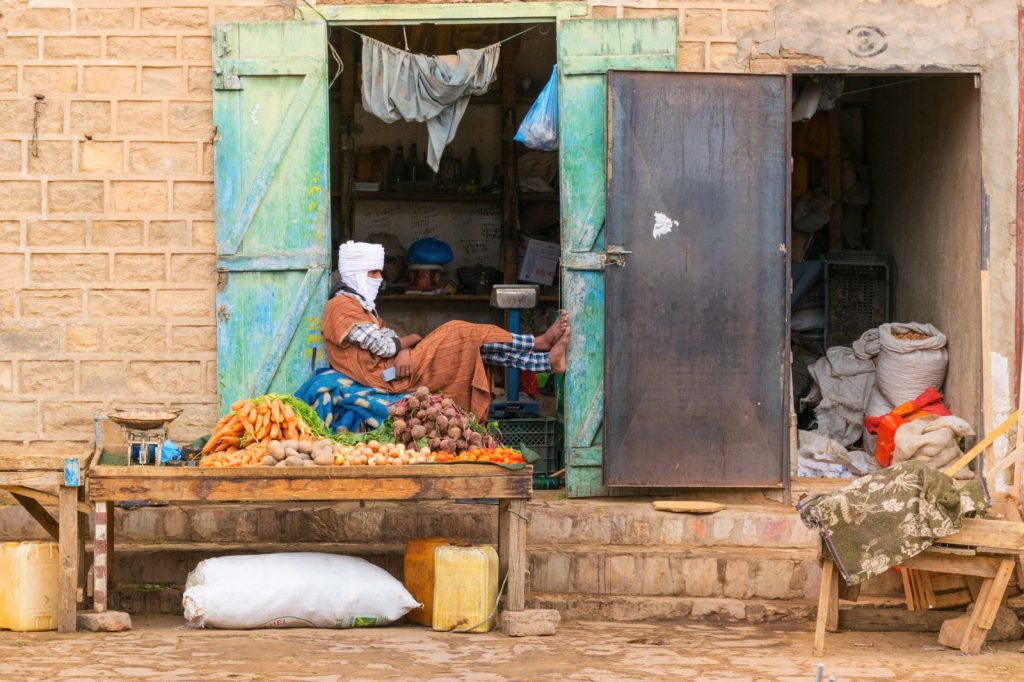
point(558, 352)
point(546, 341)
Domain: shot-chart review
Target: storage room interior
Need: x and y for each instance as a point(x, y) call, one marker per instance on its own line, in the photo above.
point(886, 227)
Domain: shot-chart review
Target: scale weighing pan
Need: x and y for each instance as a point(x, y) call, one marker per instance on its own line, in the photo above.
point(143, 420)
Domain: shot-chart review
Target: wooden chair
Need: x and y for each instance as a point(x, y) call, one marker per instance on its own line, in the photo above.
point(984, 549)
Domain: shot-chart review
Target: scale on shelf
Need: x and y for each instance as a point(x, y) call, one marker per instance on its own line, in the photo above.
point(144, 429)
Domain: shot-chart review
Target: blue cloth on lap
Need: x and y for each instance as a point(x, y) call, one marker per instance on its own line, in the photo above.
point(342, 403)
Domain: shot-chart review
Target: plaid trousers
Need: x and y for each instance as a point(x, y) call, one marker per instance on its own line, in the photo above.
point(518, 354)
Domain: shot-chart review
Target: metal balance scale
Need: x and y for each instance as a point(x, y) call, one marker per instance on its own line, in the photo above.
point(144, 430)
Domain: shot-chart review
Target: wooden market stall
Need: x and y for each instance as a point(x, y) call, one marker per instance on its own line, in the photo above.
point(110, 481)
point(29, 478)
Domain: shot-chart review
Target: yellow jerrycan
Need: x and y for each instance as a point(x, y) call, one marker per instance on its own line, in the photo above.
point(465, 588)
point(28, 585)
point(418, 576)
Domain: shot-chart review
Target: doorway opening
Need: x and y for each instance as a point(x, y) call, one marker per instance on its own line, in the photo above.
point(887, 226)
point(493, 201)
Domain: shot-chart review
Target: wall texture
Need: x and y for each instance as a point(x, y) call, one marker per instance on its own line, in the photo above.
point(106, 239)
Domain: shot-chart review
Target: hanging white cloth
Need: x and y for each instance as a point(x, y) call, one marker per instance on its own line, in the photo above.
point(399, 85)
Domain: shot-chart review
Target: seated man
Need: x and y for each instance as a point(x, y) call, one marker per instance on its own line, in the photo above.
point(449, 360)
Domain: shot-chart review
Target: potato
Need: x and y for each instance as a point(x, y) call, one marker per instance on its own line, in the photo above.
point(292, 462)
point(324, 458)
point(276, 450)
point(291, 452)
point(293, 444)
point(308, 463)
point(306, 455)
point(305, 446)
point(268, 461)
point(282, 463)
point(324, 443)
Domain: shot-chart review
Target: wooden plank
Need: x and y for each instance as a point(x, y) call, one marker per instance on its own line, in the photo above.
point(982, 445)
point(984, 613)
point(472, 13)
point(241, 488)
point(67, 597)
point(867, 619)
point(410, 471)
point(503, 538)
point(979, 566)
point(41, 516)
point(32, 479)
point(688, 506)
point(40, 496)
point(516, 520)
point(37, 462)
point(827, 593)
point(988, 533)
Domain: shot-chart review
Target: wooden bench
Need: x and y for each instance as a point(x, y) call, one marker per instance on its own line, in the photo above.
point(984, 549)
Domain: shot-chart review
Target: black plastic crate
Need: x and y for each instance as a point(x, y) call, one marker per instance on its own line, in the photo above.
point(857, 295)
point(540, 434)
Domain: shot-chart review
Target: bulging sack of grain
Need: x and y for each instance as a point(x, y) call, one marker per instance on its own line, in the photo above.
point(934, 440)
point(301, 589)
point(911, 358)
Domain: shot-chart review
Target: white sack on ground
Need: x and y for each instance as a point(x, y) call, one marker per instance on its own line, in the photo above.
point(907, 367)
point(821, 457)
point(301, 589)
point(844, 383)
point(933, 440)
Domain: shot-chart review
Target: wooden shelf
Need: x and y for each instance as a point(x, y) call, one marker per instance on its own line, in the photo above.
point(449, 198)
point(454, 298)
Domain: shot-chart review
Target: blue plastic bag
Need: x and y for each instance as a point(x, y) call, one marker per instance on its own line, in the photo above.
point(539, 129)
point(430, 251)
point(170, 452)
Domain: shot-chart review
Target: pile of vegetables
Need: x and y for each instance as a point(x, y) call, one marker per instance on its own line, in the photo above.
point(281, 430)
point(437, 422)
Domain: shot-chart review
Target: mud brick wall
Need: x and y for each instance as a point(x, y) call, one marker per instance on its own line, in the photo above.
point(107, 275)
point(107, 272)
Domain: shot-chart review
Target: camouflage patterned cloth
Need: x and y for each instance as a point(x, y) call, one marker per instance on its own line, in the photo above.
point(883, 519)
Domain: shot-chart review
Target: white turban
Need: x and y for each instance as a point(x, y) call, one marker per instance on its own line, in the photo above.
point(355, 260)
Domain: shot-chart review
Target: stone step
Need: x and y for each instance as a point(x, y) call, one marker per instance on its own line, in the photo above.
point(611, 522)
point(636, 609)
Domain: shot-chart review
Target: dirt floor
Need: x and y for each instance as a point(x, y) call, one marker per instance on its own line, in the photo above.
point(160, 648)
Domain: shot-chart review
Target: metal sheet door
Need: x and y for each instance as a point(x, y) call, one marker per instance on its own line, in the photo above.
point(271, 209)
point(587, 49)
point(696, 324)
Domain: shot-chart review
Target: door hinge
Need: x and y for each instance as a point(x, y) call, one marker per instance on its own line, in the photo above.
point(226, 80)
point(596, 260)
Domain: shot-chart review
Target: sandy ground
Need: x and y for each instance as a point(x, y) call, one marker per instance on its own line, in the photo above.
point(159, 648)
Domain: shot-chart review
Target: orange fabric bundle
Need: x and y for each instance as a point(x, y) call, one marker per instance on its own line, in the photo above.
point(929, 402)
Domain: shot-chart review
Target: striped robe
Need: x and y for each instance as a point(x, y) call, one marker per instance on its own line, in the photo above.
point(446, 361)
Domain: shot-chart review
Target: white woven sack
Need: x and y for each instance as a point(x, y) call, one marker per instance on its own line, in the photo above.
point(906, 368)
point(301, 589)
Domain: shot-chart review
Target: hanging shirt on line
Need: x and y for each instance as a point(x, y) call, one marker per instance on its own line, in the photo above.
point(399, 85)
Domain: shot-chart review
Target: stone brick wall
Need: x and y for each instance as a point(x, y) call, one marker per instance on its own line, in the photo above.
point(106, 212)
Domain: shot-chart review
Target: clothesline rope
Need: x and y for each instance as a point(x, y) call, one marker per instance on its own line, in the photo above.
point(500, 42)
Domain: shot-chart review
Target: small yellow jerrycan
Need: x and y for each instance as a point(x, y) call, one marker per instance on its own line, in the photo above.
point(28, 585)
point(418, 576)
point(465, 588)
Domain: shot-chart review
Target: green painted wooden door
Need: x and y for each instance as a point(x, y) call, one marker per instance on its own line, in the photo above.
point(587, 50)
point(272, 199)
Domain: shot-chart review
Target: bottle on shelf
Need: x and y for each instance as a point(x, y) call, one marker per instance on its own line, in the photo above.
point(412, 167)
point(472, 173)
point(397, 170)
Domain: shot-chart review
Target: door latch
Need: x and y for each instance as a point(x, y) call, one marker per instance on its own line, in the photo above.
point(227, 80)
point(613, 255)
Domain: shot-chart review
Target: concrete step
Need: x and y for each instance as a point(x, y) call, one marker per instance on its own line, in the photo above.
point(611, 522)
point(635, 609)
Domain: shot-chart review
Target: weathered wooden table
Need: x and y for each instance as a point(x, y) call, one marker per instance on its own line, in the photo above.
point(24, 476)
point(512, 489)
